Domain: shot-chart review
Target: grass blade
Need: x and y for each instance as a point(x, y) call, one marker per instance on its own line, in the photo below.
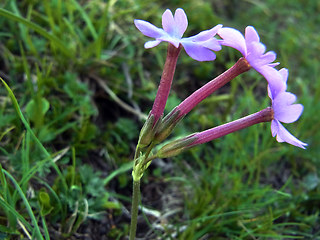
point(26, 203)
point(27, 126)
point(38, 29)
point(124, 168)
point(86, 19)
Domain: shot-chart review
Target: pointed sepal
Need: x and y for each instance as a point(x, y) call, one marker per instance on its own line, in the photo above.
point(176, 147)
point(167, 124)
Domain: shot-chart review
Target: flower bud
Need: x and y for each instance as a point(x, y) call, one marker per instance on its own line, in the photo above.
point(175, 147)
point(148, 131)
point(167, 125)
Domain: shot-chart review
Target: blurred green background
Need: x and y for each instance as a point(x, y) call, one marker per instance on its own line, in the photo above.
point(84, 82)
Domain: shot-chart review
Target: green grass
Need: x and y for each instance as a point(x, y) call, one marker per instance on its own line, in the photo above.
point(77, 87)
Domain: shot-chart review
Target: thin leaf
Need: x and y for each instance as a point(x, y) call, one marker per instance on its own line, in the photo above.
point(124, 168)
point(38, 29)
point(86, 19)
point(27, 126)
point(26, 203)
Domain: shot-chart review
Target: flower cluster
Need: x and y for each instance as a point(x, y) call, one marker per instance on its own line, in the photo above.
point(282, 102)
point(201, 47)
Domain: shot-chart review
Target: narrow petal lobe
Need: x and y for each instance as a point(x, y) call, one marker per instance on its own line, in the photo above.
point(181, 21)
point(168, 22)
point(251, 35)
point(148, 29)
point(283, 135)
point(207, 34)
point(151, 44)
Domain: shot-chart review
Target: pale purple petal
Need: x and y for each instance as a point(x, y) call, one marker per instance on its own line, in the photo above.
point(198, 52)
point(284, 73)
point(284, 110)
point(172, 40)
point(269, 92)
point(148, 29)
point(289, 114)
point(274, 79)
point(273, 64)
point(233, 38)
point(168, 24)
point(181, 21)
point(211, 44)
point(274, 127)
point(283, 135)
point(151, 44)
point(277, 128)
point(284, 98)
point(254, 52)
point(205, 35)
point(267, 58)
point(251, 35)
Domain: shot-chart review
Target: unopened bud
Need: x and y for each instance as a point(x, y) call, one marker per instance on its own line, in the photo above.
point(174, 148)
point(148, 131)
point(167, 125)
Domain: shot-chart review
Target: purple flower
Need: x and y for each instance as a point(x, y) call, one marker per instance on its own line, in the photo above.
point(199, 47)
point(254, 52)
point(285, 111)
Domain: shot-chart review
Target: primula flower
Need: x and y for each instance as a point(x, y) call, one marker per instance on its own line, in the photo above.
point(254, 52)
point(285, 111)
point(199, 47)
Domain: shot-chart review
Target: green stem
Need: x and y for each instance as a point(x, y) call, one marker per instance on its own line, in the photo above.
point(138, 169)
point(134, 209)
point(136, 193)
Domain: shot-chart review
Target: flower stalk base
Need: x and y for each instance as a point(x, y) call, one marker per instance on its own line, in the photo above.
point(165, 82)
point(134, 209)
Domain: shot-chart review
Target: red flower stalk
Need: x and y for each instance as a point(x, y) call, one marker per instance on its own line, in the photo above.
point(165, 82)
point(169, 121)
point(195, 98)
point(151, 125)
point(177, 146)
point(265, 115)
